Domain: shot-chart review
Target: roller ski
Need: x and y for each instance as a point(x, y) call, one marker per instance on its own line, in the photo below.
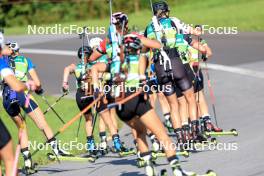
point(203, 144)
point(156, 155)
point(53, 157)
point(232, 132)
point(164, 172)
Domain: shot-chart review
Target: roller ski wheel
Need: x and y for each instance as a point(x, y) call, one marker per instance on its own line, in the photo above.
point(163, 172)
point(141, 163)
point(86, 158)
point(104, 152)
point(232, 132)
point(210, 173)
point(30, 171)
point(150, 170)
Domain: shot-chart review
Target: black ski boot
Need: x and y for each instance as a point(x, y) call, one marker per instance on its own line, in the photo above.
point(103, 144)
point(176, 168)
point(29, 167)
point(144, 160)
point(56, 149)
point(209, 126)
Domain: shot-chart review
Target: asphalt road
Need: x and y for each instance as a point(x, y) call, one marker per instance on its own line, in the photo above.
point(239, 104)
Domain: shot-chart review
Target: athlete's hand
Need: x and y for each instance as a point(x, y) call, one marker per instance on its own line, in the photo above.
point(31, 85)
point(39, 91)
point(204, 57)
point(65, 87)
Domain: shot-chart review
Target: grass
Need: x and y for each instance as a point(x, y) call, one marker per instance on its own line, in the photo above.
point(67, 108)
point(243, 14)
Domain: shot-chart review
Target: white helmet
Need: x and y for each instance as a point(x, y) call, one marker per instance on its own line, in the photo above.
point(2, 40)
point(14, 46)
point(94, 42)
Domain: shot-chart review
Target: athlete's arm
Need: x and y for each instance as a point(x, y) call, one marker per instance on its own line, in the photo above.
point(186, 29)
point(95, 55)
point(15, 84)
point(67, 71)
point(150, 43)
point(209, 52)
point(197, 45)
point(33, 74)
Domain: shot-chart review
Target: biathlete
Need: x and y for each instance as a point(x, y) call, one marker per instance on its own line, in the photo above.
point(13, 101)
point(174, 75)
point(195, 59)
point(6, 147)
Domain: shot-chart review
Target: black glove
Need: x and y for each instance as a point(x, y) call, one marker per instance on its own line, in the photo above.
point(204, 58)
point(39, 91)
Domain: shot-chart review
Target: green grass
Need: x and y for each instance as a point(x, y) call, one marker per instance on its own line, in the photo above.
point(244, 14)
point(67, 108)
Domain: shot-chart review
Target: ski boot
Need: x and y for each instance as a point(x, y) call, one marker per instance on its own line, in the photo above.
point(155, 143)
point(120, 148)
point(91, 147)
point(209, 126)
point(103, 144)
point(103, 147)
point(29, 167)
point(186, 133)
point(177, 170)
point(168, 125)
point(56, 149)
point(144, 160)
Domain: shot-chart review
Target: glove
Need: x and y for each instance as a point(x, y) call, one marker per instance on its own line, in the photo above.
point(39, 91)
point(65, 87)
point(204, 58)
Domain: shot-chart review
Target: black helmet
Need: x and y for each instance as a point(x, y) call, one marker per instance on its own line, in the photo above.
point(119, 18)
point(160, 6)
point(86, 50)
point(132, 41)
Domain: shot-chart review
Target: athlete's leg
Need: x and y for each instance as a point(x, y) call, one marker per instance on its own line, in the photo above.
point(165, 107)
point(203, 106)
point(106, 116)
point(113, 118)
point(88, 124)
point(7, 155)
point(175, 115)
point(152, 99)
point(157, 128)
point(24, 136)
point(183, 108)
point(38, 117)
point(140, 132)
point(101, 125)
